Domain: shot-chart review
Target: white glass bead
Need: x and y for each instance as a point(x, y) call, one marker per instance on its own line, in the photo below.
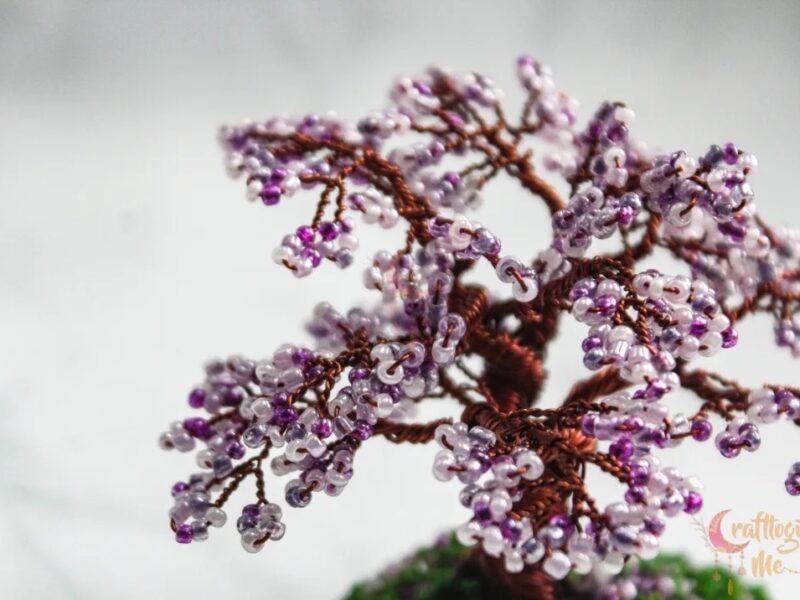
point(710, 343)
point(557, 565)
point(390, 374)
point(505, 268)
point(382, 353)
point(249, 539)
point(413, 387)
point(677, 289)
point(500, 504)
point(648, 546)
point(261, 409)
point(614, 156)
point(443, 355)
point(621, 333)
point(216, 516)
point(441, 465)
point(513, 561)
point(315, 446)
point(581, 562)
point(613, 563)
point(531, 463)
point(526, 293)
point(493, 542)
point(688, 347)
point(467, 534)
point(686, 166)
point(624, 115)
point(384, 405)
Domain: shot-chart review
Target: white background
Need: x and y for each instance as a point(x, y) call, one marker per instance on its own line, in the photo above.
point(127, 258)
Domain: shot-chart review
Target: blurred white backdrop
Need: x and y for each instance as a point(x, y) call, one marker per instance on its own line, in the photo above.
point(127, 257)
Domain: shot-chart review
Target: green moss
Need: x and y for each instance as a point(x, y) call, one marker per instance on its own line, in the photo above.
point(435, 574)
point(430, 574)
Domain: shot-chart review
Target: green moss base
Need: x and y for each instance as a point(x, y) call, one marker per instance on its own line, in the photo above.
point(436, 573)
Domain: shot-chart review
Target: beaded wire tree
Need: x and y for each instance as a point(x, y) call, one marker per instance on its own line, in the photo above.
point(306, 412)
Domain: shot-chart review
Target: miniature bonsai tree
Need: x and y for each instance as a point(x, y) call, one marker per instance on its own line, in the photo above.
point(424, 164)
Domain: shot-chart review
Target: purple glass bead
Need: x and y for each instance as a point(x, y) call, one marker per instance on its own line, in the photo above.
point(588, 424)
point(622, 449)
point(606, 305)
point(197, 397)
point(251, 510)
point(728, 447)
point(654, 526)
point(328, 231)
point(278, 174)
point(270, 195)
point(199, 428)
point(792, 484)
point(625, 215)
point(562, 522)
point(357, 374)
point(655, 390)
point(591, 342)
point(301, 356)
point(235, 450)
point(246, 522)
point(511, 529)
point(729, 337)
point(485, 243)
point(616, 133)
point(751, 440)
point(179, 487)
point(439, 227)
point(362, 431)
point(635, 495)
point(314, 372)
point(693, 503)
point(280, 399)
point(233, 397)
point(285, 415)
point(183, 535)
point(698, 327)
point(640, 475)
point(312, 255)
point(452, 178)
point(631, 425)
point(482, 512)
point(322, 428)
point(306, 234)
point(701, 430)
point(730, 154)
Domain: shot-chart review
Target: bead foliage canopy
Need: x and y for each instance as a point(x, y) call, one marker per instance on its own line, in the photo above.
point(424, 164)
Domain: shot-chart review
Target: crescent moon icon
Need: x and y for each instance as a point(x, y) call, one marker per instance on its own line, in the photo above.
point(718, 540)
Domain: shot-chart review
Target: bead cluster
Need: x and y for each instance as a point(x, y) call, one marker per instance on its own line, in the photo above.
point(787, 335)
point(192, 511)
point(303, 251)
point(683, 320)
point(556, 110)
point(464, 238)
point(524, 280)
point(740, 434)
point(675, 185)
point(259, 523)
point(590, 214)
point(633, 525)
point(467, 453)
point(768, 405)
